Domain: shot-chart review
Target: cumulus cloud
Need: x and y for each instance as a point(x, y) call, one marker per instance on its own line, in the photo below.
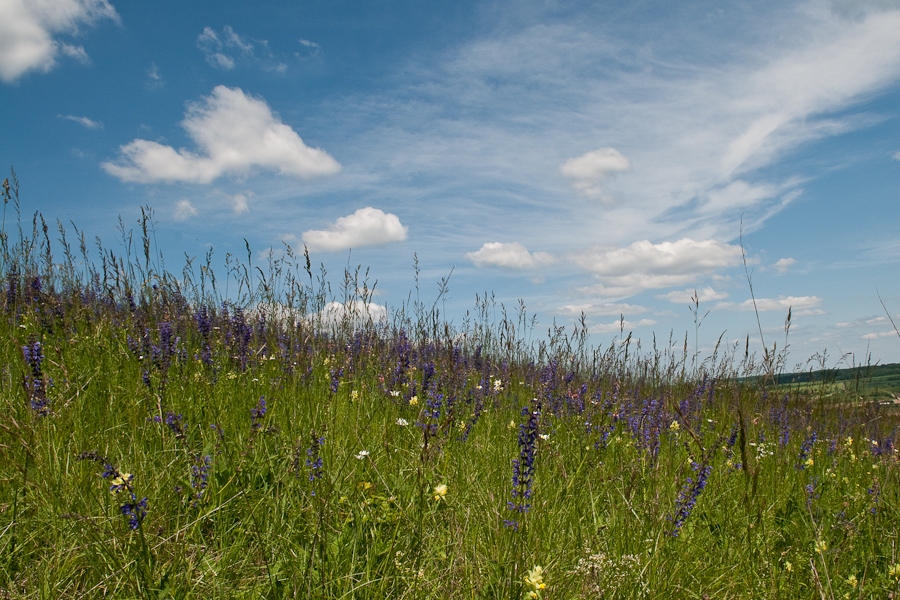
point(863, 322)
point(184, 210)
point(366, 227)
point(511, 255)
point(623, 272)
point(83, 121)
point(687, 296)
point(234, 132)
point(621, 325)
point(600, 310)
point(239, 202)
point(587, 170)
point(28, 32)
point(355, 311)
point(799, 305)
point(880, 334)
point(783, 264)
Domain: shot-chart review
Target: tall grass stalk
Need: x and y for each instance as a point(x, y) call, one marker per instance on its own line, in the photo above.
point(261, 436)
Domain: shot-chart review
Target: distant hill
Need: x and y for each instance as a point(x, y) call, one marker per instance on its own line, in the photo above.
point(872, 380)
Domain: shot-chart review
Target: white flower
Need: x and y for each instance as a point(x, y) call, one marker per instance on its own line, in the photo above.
point(394, 393)
point(402, 422)
point(362, 454)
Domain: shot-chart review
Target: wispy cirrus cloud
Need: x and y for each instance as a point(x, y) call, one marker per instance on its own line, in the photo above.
point(30, 33)
point(682, 138)
point(83, 121)
point(234, 133)
point(154, 77)
point(226, 49)
point(366, 227)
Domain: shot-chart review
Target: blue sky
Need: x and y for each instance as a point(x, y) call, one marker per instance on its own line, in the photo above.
point(595, 157)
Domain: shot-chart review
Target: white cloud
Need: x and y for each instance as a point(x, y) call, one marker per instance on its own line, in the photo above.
point(239, 202)
point(623, 272)
point(28, 30)
point(154, 77)
point(366, 227)
point(880, 334)
point(511, 255)
point(783, 264)
point(214, 47)
point(799, 305)
point(184, 210)
point(227, 49)
point(736, 196)
point(83, 121)
point(687, 296)
point(355, 311)
point(600, 310)
point(897, 156)
point(234, 132)
point(620, 325)
point(587, 170)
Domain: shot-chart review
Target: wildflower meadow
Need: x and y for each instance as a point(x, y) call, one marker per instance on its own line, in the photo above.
point(162, 439)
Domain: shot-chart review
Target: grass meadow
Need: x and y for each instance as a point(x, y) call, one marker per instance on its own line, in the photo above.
point(163, 438)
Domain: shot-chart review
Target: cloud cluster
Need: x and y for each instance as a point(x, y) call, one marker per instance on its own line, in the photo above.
point(587, 170)
point(688, 296)
point(234, 132)
point(29, 30)
point(600, 310)
point(226, 49)
point(511, 255)
point(621, 325)
point(626, 271)
point(355, 311)
point(366, 227)
point(799, 305)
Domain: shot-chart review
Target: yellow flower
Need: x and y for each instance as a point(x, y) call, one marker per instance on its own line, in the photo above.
point(535, 580)
point(788, 566)
point(894, 572)
point(414, 400)
point(674, 426)
point(809, 462)
point(852, 582)
point(820, 546)
point(440, 491)
point(849, 440)
point(354, 395)
point(122, 480)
